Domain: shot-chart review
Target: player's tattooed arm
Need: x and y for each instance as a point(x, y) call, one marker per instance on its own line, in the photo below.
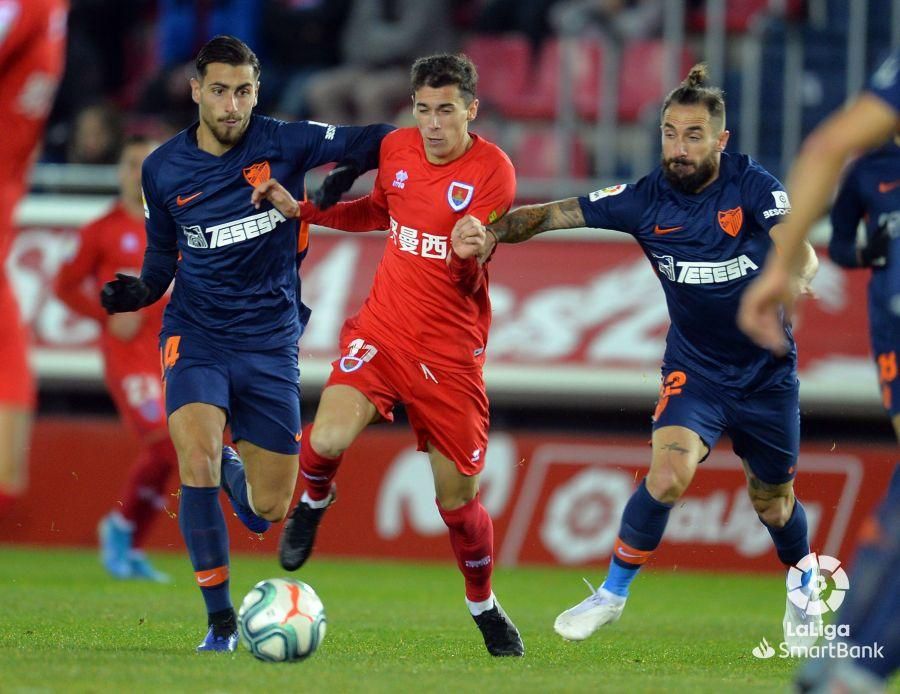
point(525, 222)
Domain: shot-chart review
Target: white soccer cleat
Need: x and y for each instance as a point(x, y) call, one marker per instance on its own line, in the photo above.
point(599, 608)
point(802, 621)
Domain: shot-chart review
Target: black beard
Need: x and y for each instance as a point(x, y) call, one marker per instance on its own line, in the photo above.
point(693, 182)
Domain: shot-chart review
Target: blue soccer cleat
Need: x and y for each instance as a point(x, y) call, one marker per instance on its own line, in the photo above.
point(141, 568)
point(253, 522)
point(115, 545)
point(218, 644)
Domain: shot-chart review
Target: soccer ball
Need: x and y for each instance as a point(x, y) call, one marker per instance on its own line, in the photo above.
point(281, 619)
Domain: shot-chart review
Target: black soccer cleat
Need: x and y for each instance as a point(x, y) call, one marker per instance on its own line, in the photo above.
point(500, 635)
point(299, 534)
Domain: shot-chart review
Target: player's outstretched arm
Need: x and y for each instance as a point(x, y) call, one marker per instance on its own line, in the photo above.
point(523, 223)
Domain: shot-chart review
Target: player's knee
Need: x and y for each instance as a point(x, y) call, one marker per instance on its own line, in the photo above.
point(774, 512)
point(666, 485)
point(272, 509)
point(329, 440)
point(199, 466)
point(450, 500)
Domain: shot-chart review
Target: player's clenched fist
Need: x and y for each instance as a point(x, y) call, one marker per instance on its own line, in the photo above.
point(470, 238)
point(278, 195)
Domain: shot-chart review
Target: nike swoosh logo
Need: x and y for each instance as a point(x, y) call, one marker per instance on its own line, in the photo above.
point(665, 230)
point(205, 579)
point(888, 186)
point(180, 201)
point(629, 554)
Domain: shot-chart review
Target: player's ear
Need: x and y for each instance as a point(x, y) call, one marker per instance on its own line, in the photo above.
point(723, 140)
point(195, 90)
point(472, 110)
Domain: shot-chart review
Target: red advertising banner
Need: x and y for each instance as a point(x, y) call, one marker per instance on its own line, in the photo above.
point(575, 319)
point(555, 499)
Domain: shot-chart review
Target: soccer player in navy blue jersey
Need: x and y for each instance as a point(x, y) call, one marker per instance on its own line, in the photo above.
point(872, 608)
point(706, 220)
point(230, 331)
point(870, 192)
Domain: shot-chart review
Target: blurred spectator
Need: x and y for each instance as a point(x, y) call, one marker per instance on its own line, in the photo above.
point(529, 17)
point(381, 39)
point(300, 37)
point(96, 136)
point(185, 25)
point(621, 19)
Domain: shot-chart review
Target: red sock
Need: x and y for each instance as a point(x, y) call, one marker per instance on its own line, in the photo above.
point(472, 540)
point(6, 502)
point(146, 486)
point(317, 470)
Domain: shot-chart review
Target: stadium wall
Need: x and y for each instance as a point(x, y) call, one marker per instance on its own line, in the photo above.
point(555, 499)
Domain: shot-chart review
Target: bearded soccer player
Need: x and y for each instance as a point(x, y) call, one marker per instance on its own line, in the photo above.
point(115, 243)
point(421, 335)
point(706, 220)
point(32, 49)
point(230, 331)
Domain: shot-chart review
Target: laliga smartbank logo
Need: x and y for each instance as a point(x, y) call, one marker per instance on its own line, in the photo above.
point(816, 585)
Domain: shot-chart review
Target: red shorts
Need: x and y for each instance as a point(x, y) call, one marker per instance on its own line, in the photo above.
point(138, 396)
point(448, 409)
point(16, 381)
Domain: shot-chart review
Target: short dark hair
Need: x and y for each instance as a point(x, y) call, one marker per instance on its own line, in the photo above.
point(443, 70)
point(228, 50)
point(693, 90)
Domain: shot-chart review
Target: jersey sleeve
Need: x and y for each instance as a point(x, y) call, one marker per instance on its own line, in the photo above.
point(764, 199)
point(615, 207)
point(77, 284)
point(368, 213)
point(314, 144)
point(161, 256)
point(885, 83)
point(846, 212)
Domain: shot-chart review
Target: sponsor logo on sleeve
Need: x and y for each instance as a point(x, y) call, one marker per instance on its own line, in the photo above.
point(606, 192)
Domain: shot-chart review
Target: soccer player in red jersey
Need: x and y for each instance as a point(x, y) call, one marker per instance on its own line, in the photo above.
point(115, 243)
point(421, 334)
point(32, 46)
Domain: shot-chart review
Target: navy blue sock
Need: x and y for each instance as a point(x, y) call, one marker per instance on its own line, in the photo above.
point(203, 529)
point(791, 541)
point(234, 479)
point(643, 523)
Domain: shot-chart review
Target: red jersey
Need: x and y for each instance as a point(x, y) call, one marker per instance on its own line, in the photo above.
point(32, 50)
point(416, 305)
point(114, 243)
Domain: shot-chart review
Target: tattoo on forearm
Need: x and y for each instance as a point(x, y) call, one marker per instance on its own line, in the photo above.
point(525, 222)
point(675, 447)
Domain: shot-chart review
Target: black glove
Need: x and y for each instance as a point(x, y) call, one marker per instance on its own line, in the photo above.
point(875, 252)
point(124, 294)
point(336, 183)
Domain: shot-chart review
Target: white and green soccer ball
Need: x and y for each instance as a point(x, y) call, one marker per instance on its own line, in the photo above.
point(281, 619)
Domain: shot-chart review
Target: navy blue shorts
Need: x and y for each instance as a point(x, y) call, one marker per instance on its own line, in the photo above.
point(764, 427)
point(885, 347)
point(259, 391)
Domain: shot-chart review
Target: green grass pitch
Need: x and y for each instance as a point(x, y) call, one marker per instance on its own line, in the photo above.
point(392, 627)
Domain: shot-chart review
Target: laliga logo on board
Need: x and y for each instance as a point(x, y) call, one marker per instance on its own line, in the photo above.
point(827, 571)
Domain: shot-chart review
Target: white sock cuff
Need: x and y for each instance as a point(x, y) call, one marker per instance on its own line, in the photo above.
point(476, 608)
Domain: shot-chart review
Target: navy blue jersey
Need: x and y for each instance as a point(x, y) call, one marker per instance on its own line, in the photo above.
point(871, 192)
point(706, 248)
point(236, 266)
point(885, 83)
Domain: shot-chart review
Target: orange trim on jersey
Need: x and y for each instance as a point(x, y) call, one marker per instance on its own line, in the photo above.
point(303, 231)
point(211, 577)
point(629, 554)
